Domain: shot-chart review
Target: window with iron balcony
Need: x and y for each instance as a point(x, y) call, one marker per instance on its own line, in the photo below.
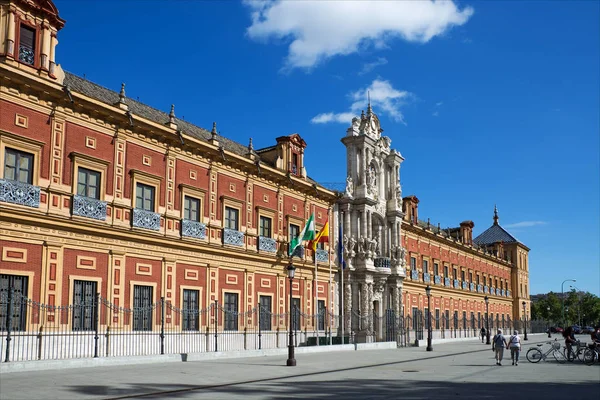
point(27, 44)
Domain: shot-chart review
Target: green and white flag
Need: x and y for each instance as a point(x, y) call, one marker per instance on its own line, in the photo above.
point(308, 233)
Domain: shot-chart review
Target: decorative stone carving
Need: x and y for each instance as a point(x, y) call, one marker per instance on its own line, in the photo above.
point(398, 196)
point(362, 247)
point(233, 237)
point(352, 246)
point(145, 219)
point(349, 187)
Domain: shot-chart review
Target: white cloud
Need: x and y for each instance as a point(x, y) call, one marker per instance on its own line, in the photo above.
point(384, 99)
point(436, 114)
point(439, 103)
point(368, 67)
point(525, 224)
point(318, 30)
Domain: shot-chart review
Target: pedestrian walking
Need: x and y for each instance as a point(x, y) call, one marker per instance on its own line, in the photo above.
point(482, 334)
point(498, 345)
point(514, 343)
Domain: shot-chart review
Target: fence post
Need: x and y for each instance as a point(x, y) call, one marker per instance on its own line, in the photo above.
point(96, 323)
point(9, 314)
point(39, 337)
point(107, 336)
point(162, 325)
point(259, 327)
point(216, 323)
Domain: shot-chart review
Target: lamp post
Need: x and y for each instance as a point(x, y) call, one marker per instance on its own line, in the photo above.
point(525, 321)
point(549, 333)
point(291, 361)
point(562, 292)
point(487, 319)
point(428, 291)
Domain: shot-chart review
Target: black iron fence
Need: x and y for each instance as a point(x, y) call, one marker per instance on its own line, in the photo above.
point(95, 327)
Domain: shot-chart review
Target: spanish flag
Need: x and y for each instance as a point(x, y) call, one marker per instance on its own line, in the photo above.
point(322, 236)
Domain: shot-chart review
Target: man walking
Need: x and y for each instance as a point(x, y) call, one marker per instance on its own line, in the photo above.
point(498, 345)
point(482, 334)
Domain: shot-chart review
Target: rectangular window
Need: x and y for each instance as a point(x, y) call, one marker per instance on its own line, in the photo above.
point(464, 318)
point(144, 197)
point(84, 305)
point(462, 276)
point(426, 266)
point(472, 320)
point(322, 313)
point(437, 319)
point(191, 209)
point(88, 183)
point(18, 166)
point(142, 308)
point(27, 45)
point(232, 218)
point(447, 319)
point(294, 163)
point(455, 319)
point(19, 309)
point(484, 281)
point(231, 312)
point(445, 271)
point(296, 314)
point(477, 279)
point(470, 277)
point(455, 273)
point(265, 226)
point(294, 231)
point(413, 263)
point(436, 269)
point(190, 310)
point(265, 313)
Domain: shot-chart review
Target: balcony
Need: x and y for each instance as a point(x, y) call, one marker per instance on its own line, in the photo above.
point(447, 282)
point(145, 219)
point(322, 255)
point(426, 277)
point(267, 244)
point(502, 293)
point(89, 208)
point(486, 289)
point(437, 279)
point(479, 288)
point(193, 229)
point(19, 193)
point(472, 286)
point(508, 293)
point(414, 275)
point(298, 252)
point(233, 237)
point(26, 54)
point(465, 285)
point(457, 284)
point(382, 262)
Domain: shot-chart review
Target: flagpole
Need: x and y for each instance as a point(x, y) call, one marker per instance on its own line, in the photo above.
point(341, 269)
point(316, 304)
point(330, 296)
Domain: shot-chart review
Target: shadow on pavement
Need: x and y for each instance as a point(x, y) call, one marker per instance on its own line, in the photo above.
point(354, 389)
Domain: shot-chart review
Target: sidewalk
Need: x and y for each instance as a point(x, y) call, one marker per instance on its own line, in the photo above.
point(463, 369)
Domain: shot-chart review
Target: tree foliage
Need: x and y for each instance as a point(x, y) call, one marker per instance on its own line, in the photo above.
point(579, 308)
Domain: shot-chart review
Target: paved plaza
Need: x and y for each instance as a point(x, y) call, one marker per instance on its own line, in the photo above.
point(453, 370)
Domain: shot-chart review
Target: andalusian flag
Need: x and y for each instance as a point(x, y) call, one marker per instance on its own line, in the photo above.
point(308, 233)
point(322, 236)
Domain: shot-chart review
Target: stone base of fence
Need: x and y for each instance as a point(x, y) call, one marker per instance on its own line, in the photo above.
point(25, 366)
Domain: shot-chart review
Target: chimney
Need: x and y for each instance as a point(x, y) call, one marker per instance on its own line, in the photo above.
point(466, 232)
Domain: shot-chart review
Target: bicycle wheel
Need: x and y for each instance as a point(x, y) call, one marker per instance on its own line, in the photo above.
point(580, 353)
point(559, 356)
point(534, 355)
point(589, 356)
point(571, 357)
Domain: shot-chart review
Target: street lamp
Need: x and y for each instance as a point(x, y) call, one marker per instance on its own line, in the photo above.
point(428, 291)
point(525, 320)
point(291, 361)
point(549, 334)
point(562, 292)
point(487, 319)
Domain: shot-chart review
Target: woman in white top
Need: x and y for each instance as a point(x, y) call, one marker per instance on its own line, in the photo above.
point(514, 344)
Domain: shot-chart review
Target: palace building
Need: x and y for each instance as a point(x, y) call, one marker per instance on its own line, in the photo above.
point(103, 197)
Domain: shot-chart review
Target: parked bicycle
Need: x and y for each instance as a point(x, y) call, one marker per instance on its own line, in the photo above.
point(591, 355)
point(577, 351)
point(535, 354)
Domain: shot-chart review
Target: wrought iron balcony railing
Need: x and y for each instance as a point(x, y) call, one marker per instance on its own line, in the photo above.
point(508, 293)
point(502, 293)
point(145, 219)
point(414, 275)
point(437, 279)
point(447, 282)
point(426, 277)
point(89, 208)
point(486, 289)
point(267, 244)
point(457, 283)
point(298, 252)
point(382, 262)
point(480, 288)
point(472, 286)
point(26, 55)
point(193, 229)
point(19, 193)
point(233, 237)
point(465, 285)
point(322, 255)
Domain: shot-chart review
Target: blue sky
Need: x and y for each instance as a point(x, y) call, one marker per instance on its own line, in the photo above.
point(489, 102)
